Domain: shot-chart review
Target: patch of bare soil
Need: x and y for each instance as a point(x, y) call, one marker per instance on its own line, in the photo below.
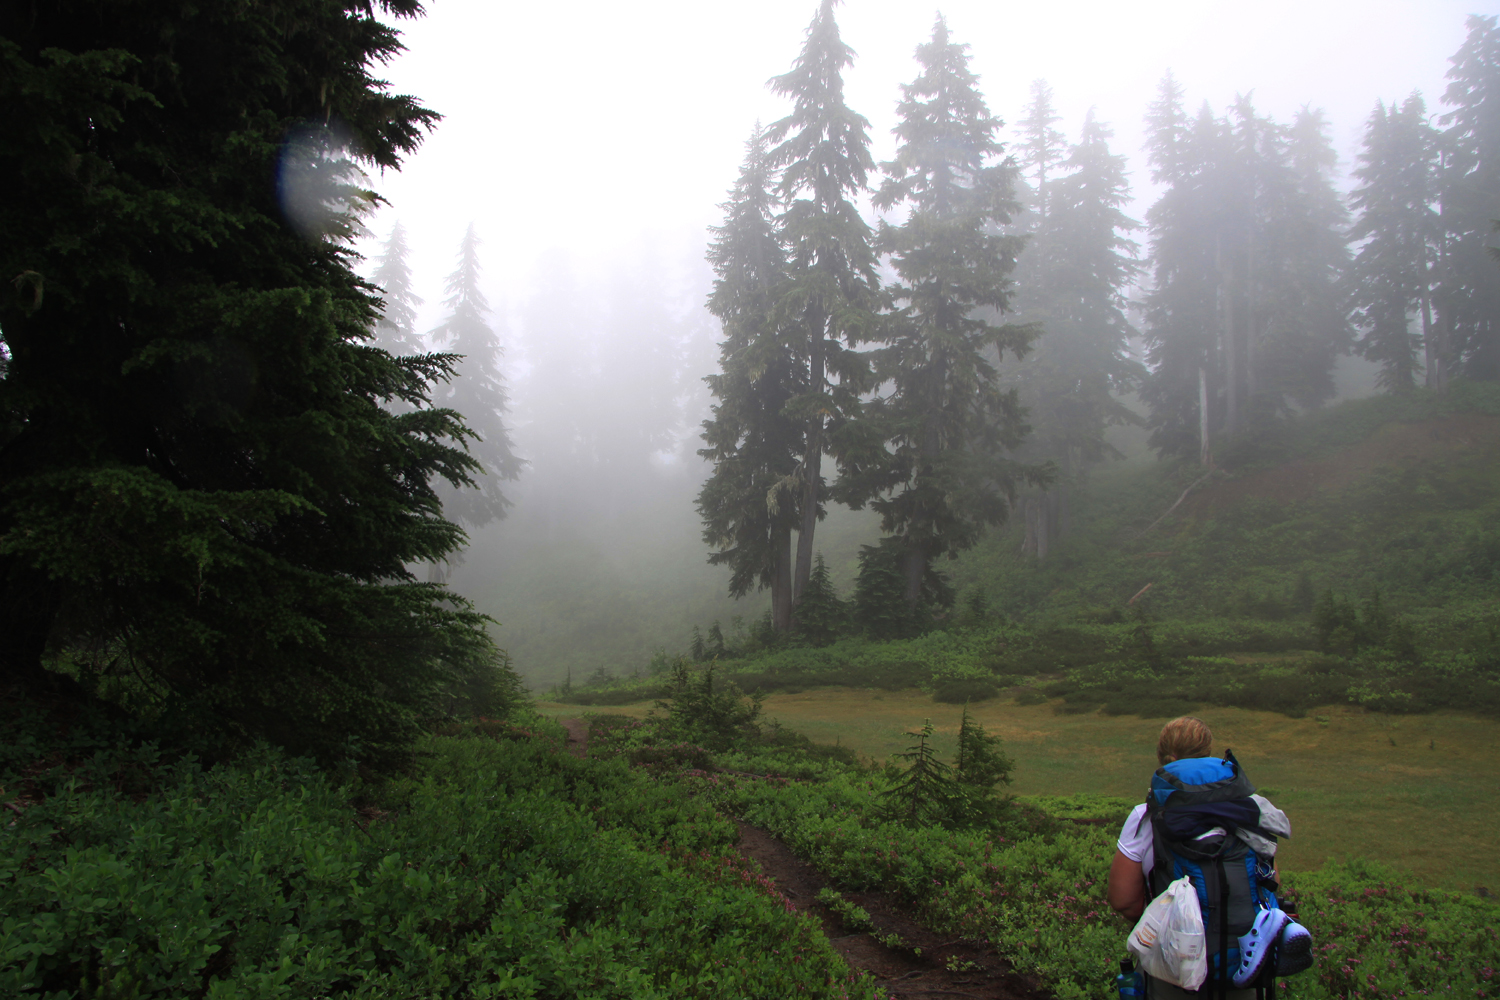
point(1394, 444)
point(578, 736)
point(951, 968)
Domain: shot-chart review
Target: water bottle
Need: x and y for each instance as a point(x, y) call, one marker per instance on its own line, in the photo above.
point(1128, 983)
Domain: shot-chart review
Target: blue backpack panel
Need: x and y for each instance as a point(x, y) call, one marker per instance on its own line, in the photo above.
point(1194, 808)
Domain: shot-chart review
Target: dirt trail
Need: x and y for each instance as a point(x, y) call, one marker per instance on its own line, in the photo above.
point(977, 972)
point(985, 975)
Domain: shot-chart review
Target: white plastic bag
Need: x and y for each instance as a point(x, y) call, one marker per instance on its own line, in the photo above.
point(1168, 939)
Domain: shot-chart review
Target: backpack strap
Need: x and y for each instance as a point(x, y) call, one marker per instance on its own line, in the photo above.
point(1223, 908)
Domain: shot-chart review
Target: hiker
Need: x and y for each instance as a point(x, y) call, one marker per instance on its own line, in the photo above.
point(1202, 815)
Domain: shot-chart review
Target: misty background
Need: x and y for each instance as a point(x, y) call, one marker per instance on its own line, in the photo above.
point(590, 147)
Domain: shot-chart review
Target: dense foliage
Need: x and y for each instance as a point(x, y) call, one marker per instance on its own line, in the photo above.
point(931, 453)
point(506, 867)
point(1036, 889)
point(208, 502)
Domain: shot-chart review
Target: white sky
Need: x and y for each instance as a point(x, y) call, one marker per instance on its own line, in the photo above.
point(596, 125)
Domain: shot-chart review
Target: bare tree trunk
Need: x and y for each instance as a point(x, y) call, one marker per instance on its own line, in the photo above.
point(1059, 497)
point(1231, 356)
point(812, 465)
point(1250, 316)
point(1028, 518)
point(1205, 455)
point(915, 569)
point(1429, 359)
point(1043, 531)
point(781, 581)
point(1060, 520)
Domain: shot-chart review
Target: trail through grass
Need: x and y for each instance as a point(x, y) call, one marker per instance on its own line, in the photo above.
point(1415, 791)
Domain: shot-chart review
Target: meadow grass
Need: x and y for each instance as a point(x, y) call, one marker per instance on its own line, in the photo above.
point(1414, 791)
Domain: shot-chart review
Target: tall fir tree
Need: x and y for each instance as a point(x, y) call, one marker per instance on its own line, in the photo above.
point(832, 292)
point(1182, 304)
point(749, 503)
point(1301, 323)
point(931, 453)
point(1467, 296)
point(396, 329)
point(1072, 279)
point(208, 505)
point(1247, 254)
point(821, 615)
point(1042, 148)
point(1399, 239)
point(477, 391)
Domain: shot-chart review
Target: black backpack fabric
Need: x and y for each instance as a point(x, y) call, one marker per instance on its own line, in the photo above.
point(1195, 808)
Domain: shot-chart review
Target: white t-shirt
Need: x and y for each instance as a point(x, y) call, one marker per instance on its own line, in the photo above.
point(1136, 841)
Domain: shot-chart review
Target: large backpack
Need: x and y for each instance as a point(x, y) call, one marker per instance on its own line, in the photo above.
point(1196, 808)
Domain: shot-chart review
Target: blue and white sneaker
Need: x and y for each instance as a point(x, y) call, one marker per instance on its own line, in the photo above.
point(1294, 953)
point(1256, 945)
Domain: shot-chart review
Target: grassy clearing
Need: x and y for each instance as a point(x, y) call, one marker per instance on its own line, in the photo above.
point(1416, 792)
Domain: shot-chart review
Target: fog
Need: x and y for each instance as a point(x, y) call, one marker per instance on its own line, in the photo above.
point(591, 145)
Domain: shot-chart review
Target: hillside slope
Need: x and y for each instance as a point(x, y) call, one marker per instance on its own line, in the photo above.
point(1396, 493)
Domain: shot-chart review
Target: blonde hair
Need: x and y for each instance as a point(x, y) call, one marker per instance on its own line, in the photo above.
point(1183, 738)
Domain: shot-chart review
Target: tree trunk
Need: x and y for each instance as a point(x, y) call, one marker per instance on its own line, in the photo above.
point(1429, 360)
point(1043, 529)
point(812, 465)
point(1060, 520)
point(915, 569)
point(1205, 456)
point(1028, 540)
point(932, 444)
point(1231, 356)
point(781, 581)
point(1250, 317)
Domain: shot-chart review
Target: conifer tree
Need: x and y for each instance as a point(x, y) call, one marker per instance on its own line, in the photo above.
point(1182, 305)
point(1468, 296)
point(930, 455)
point(1072, 280)
point(749, 504)
point(1247, 251)
point(980, 761)
point(923, 794)
point(831, 292)
point(396, 330)
point(1300, 322)
point(477, 391)
point(1399, 240)
point(978, 767)
point(1042, 147)
point(208, 502)
point(821, 616)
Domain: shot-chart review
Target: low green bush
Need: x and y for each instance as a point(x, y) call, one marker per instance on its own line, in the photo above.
point(1034, 886)
point(505, 868)
point(961, 691)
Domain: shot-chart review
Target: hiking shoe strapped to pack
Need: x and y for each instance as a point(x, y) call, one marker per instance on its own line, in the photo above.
point(1256, 944)
point(1294, 953)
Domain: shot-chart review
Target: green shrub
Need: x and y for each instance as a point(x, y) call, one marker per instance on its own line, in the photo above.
point(506, 868)
point(961, 691)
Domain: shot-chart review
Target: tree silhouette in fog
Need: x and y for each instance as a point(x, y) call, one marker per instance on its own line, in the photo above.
point(749, 503)
point(477, 391)
point(831, 291)
point(930, 453)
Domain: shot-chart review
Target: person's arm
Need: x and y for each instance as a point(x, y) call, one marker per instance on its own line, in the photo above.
point(1127, 887)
